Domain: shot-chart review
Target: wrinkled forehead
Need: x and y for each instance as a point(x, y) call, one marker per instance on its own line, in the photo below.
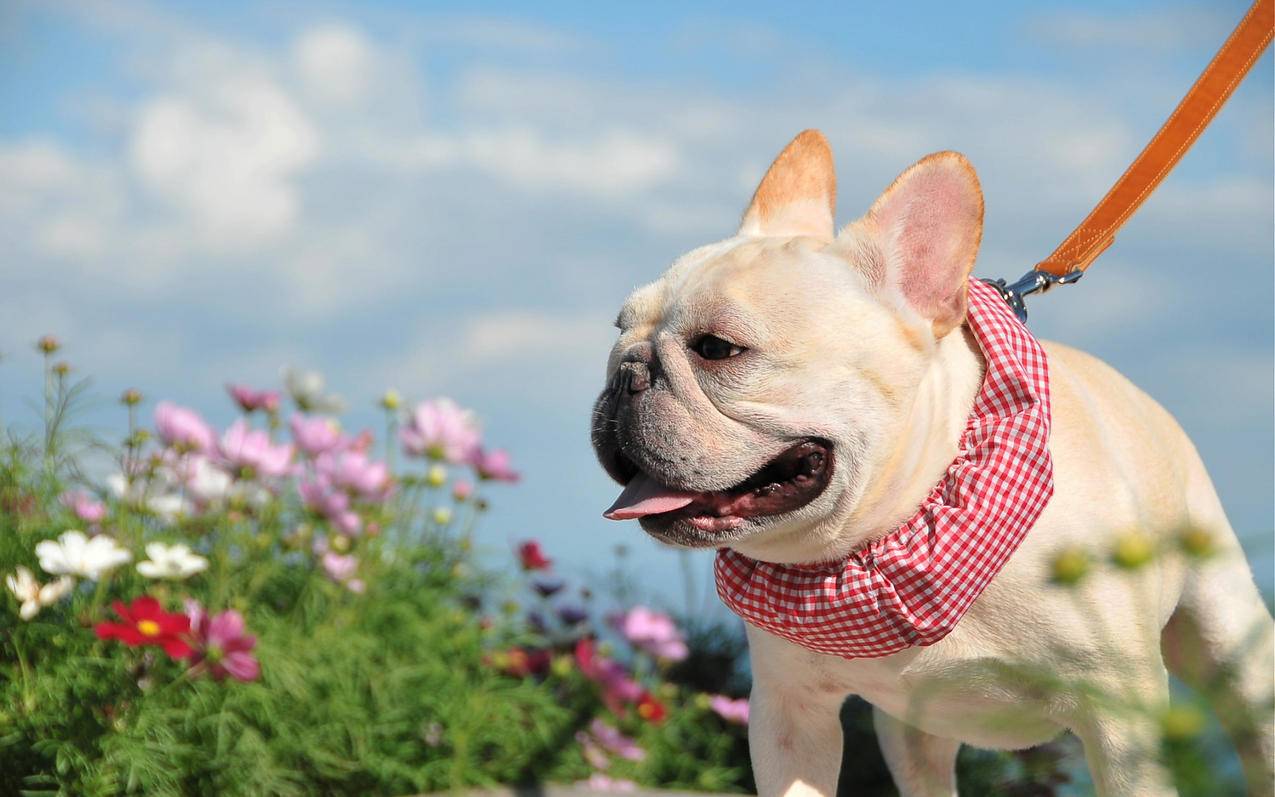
point(741, 273)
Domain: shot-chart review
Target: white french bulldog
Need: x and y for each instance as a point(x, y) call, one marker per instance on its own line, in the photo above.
point(793, 393)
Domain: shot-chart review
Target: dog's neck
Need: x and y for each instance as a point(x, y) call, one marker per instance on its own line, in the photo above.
point(926, 443)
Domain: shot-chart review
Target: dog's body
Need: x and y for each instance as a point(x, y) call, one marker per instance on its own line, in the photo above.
point(852, 344)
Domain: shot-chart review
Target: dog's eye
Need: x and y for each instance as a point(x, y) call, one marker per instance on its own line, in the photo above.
point(711, 347)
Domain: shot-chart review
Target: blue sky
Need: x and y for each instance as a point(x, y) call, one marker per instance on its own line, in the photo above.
point(455, 201)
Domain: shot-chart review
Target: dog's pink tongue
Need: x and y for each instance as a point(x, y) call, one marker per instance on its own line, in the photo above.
point(644, 496)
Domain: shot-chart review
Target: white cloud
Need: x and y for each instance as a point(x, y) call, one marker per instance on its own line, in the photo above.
point(226, 155)
point(334, 62)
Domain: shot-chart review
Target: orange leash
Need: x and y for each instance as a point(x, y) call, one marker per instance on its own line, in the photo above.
point(1098, 231)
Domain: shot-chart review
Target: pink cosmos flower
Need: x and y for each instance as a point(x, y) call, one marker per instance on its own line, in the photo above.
point(181, 427)
point(250, 400)
point(319, 497)
point(618, 688)
point(651, 631)
point(616, 742)
point(315, 434)
point(339, 567)
point(84, 506)
point(221, 644)
point(244, 448)
point(440, 429)
point(494, 466)
point(353, 472)
point(593, 753)
point(730, 710)
point(462, 490)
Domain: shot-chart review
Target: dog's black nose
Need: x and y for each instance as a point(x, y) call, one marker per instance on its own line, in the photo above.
point(635, 376)
point(634, 373)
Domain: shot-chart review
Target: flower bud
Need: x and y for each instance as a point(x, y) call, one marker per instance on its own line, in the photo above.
point(1181, 723)
point(340, 543)
point(62, 368)
point(1070, 565)
point(436, 476)
point(131, 397)
point(1133, 549)
point(442, 515)
point(48, 344)
point(391, 400)
point(1197, 542)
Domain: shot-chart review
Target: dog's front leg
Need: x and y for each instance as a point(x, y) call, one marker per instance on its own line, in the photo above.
point(794, 737)
point(922, 765)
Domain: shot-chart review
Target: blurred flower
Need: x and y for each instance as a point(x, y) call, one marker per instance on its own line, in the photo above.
point(572, 615)
point(34, 596)
point(183, 428)
point(651, 631)
point(618, 688)
point(62, 368)
point(319, 497)
point(462, 490)
point(1132, 550)
point(440, 429)
point(616, 742)
point(536, 621)
point(650, 709)
point(48, 344)
point(441, 515)
point(730, 710)
point(131, 397)
point(599, 782)
point(1181, 723)
point(532, 558)
point(315, 434)
point(73, 554)
point(339, 567)
point(353, 472)
point(222, 645)
point(436, 476)
point(494, 466)
point(1069, 566)
point(391, 400)
point(306, 389)
point(250, 400)
point(205, 483)
point(146, 623)
point(547, 589)
point(1197, 542)
point(171, 561)
point(245, 450)
point(84, 506)
point(592, 751)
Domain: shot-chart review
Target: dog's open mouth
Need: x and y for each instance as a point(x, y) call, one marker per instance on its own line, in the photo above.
point(788, 482)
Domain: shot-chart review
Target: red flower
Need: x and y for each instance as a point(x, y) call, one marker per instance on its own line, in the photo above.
point(532, 557)
point(650, 709)
point(146, 623)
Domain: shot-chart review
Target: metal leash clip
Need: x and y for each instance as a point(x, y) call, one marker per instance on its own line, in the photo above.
point(1034, 281)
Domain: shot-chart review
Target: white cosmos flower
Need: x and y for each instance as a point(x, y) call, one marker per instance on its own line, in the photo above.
point(171, 561)
point(306, 389)
point(76, 555)
point(33, 595)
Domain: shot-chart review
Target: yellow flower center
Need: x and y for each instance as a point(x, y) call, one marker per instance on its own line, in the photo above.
point(646, 711)
point(148, 627)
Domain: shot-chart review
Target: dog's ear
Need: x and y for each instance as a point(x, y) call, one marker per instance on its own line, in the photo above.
point(921, 236)
point(798, 195)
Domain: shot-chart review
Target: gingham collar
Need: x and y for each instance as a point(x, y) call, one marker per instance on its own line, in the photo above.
point(912, 586)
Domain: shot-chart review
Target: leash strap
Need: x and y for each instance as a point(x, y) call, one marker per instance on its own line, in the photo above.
point(1097, 232)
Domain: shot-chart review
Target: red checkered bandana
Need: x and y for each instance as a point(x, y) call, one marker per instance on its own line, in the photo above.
point(912, 586)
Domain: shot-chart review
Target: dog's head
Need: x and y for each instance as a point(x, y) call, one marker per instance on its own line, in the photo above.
point(759, 384)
